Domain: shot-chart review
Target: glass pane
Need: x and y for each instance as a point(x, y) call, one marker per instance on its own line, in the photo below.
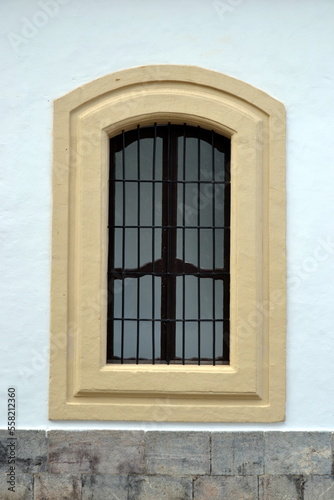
point(191, 340)
point(119, 216)
point(145, 246)
point(131, 244)
point(207, 330)
point(131, 203)
point(117, 338)
point(179, 243)
point(206, 253)
point(117, 296)
point(219, 295)
point(191, 297)
point(118, 247)
point(206, 161)
point(180, 304)
point(219, 248)
point(191, 248)
point(130, 339)
point(219, 204)
point(221, 170)
point(205, 207)
point(206, 298)
point(146, 158)
point(130, 299)
point(146, 204)
point(131, 162)
point(157, 204)
point(191, 159)
point(190, 205)
point(157, 168)
point(119, 165)
point(219, 328)
point(179, 339)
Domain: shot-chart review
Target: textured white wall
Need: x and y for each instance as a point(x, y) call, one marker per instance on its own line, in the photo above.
point(49, 47)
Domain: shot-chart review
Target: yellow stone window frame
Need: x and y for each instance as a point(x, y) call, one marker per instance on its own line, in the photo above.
point(82, 384)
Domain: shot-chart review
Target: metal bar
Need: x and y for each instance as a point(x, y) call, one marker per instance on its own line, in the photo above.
point(164, 249)
point(138, 243)
point(184, 247)
point(227, 222)
point(180, 268)
point(153, 243)
point(199, 243)
point(168, 227)
point(204, 320)
point(178, 181)
point(123, 246)
point(213, 251)
point(111, 257)
point(169, 218)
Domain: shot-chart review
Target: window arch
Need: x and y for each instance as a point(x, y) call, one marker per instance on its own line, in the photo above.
point(82, 384)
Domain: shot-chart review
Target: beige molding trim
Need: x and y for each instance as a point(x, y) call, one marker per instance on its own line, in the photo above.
point(82, 385)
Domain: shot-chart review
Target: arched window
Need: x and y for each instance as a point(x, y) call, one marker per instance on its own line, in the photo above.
point(176, 311)
point(169, 246)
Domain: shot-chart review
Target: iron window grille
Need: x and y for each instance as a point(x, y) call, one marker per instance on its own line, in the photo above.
point(169, 246)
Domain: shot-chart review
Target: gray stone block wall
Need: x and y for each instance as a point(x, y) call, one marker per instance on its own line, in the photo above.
point(137, 465)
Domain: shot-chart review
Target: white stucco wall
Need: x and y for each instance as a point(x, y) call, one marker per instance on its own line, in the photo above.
point(284, 47)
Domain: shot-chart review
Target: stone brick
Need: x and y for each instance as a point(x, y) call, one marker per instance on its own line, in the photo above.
point(297, 453)
point(56, 487)
point(31, 451)
point(281, 488)
point(97, 452)
point(102, 487)
point(237, 453)
point(319, 488)
point(23, 487)
point(226, 488)
point(178, 453)
point(160, 487)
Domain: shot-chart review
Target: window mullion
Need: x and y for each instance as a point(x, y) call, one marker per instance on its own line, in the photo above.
point(169, 221)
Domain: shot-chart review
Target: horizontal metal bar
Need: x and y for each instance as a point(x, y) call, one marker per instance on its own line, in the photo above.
point(175, 361)
point(226, 228)
point(218, 320)
point(164, 181)
point(157, 268)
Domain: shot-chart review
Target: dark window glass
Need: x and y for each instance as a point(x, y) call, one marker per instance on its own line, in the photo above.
point(169, 246)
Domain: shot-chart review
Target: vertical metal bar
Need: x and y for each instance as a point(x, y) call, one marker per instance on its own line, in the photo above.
point(184, 249)
point(227, 223)
point(168, 247)
point(123, 244)
point(138, 242)
point(153, 242)
point(164, 247)
point(213, 249)
point(199, 243)
point(111, 256)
